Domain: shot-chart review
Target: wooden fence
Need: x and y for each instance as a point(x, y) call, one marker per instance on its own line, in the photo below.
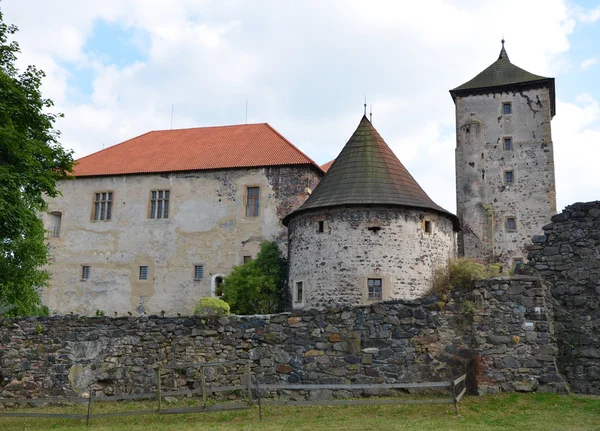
point(206, 390)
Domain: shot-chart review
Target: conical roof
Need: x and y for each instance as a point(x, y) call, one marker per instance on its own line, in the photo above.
point(503, 75)
point(365, 173)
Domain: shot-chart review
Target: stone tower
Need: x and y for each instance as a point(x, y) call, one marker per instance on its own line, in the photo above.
point(505, 189)
point(368, 232)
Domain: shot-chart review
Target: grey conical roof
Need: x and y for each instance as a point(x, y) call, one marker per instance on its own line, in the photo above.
point(502, 74)
point(366, 173)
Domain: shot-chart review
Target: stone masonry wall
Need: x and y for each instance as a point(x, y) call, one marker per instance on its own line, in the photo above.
point(400, 341)
point(568, 257)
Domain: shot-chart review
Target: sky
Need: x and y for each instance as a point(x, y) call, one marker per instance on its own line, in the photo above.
point(120, 68)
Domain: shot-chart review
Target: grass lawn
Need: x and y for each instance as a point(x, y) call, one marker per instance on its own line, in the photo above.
point(529, 412)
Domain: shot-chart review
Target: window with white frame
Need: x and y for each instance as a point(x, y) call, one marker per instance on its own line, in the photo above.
point(103, 203)
point(375, 291)
point(159, 204)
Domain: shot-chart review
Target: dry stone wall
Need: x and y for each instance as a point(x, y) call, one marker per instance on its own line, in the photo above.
point(568, 257)
point(427, 339)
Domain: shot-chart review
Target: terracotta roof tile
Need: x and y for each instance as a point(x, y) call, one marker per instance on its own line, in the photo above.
point(327, 165)
point(247, 145)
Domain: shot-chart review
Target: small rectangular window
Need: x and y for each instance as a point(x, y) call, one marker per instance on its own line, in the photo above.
point(509, 177)
point(252, 201)
point(374, 286)
point(247, 259)
point(321, 226)
point(102, 206)
point(299, 291)
point(143, 272)
point(507, 144)
point(85, 272)
point(198, 272)
point(427, 226)
point(517, 261)
point(506, 108)
point(159, 204)
point(511, 224)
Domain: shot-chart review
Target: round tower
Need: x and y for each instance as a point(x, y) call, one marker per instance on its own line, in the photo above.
point(505, 188)
point(368, 232)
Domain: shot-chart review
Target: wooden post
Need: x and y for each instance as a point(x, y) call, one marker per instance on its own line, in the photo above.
point(203, 386)
point(89, 409)
point(158, 389)
point(249, 382)
point(258, 398)
point(454, 395)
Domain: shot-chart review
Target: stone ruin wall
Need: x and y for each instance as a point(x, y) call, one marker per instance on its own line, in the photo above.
point(428, 339)
point(568, 257)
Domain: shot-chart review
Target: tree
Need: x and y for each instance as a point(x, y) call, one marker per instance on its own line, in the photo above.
point(31, 163)
point(258, 286)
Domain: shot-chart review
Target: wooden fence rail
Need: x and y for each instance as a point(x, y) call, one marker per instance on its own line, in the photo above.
point(206, 390)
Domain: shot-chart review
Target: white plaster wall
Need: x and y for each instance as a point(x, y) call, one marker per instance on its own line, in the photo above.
point(334, 265)
point(483, 199)
point(206, 226)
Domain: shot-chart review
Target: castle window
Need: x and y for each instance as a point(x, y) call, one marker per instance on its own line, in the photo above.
point(247, 259)
point(299, 292)
point(321, 226)
point(511, 224)
point(143, 274)
point(427, 226)
point(54, 222)
point(507, 108)
point(102, 210)
point(509, 177)
point(159, 204)
point(198, 272)
point(85, 272)
point(252, 201)
point(507, 144)
point(374, 287)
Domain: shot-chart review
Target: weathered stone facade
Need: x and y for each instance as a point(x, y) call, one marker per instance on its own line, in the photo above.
point(568, 257)
point(485, 199)
point(207, 225)
point(357, 244)
point(486, 331)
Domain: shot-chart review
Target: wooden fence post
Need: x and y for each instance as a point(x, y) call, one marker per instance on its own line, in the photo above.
point(158, 389)
point(203, 386)
point(454, 394)
point(249, 382)
point(258, 398)
point(89, 409)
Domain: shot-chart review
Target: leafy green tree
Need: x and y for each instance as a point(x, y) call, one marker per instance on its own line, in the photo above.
point(258, 286)
point(31, 162)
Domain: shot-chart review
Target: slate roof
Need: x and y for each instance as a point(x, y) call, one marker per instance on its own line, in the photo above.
point(240, 146)
point(366, 173)
point(503, 75)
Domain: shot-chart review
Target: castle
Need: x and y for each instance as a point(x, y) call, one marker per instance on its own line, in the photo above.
point(156, 222)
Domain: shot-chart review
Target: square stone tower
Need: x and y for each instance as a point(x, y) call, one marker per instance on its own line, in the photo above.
point(505, 187)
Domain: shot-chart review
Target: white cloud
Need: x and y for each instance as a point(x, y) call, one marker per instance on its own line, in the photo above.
point(303, 66)
point(588, 62)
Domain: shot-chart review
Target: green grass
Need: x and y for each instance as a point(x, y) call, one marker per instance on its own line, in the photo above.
point(532, 412)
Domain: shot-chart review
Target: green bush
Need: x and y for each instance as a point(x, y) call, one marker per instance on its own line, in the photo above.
point(258, 286)
point(212, 307)
point(461, 274)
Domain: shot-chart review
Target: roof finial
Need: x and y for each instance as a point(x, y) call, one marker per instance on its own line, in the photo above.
point(365, 113)
point(503, 54)
point(371, 114)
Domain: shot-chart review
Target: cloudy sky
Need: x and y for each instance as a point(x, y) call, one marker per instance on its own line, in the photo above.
point(116, 68)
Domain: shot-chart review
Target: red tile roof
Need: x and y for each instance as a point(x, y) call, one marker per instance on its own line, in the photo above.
point(247, 145)
point(327, 165)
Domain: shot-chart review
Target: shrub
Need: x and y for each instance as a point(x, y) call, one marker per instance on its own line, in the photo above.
point(258, 286)
point(212, 307)
point(461, 274)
